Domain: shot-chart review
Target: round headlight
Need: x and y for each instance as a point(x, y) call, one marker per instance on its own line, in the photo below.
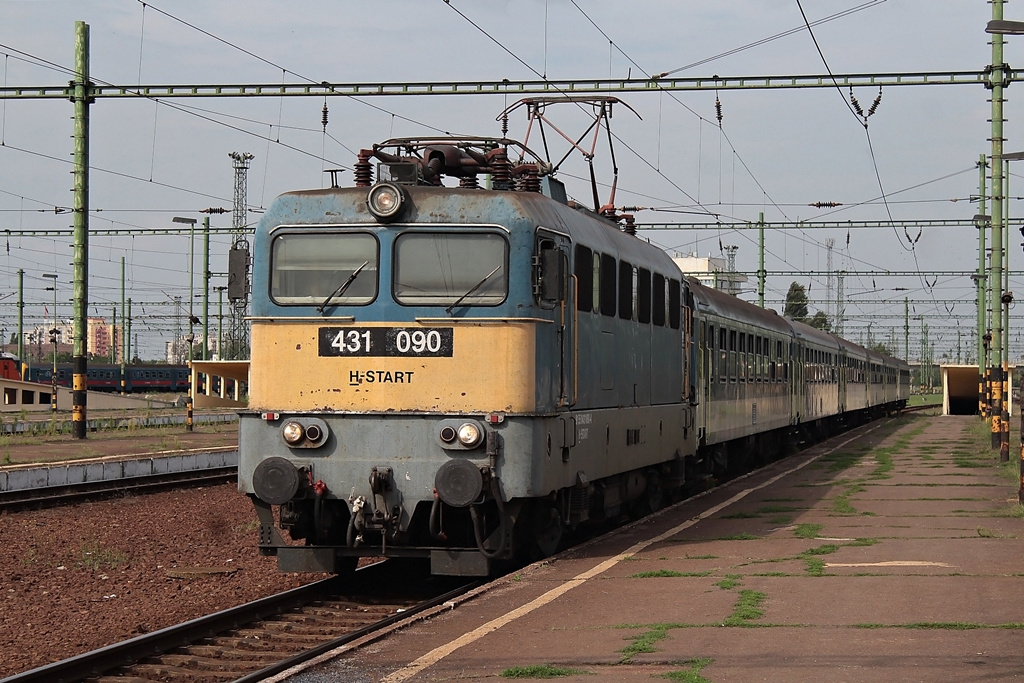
point(385, 201)
point(293, 433)
point(469, 435)
point(448, 434)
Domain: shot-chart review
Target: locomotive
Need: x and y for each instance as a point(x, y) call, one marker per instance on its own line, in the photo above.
point(466, 373)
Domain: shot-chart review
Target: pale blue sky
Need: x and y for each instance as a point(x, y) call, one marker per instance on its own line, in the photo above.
point(778, 151)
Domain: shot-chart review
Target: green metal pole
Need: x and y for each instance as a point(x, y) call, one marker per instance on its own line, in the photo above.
point(21, 321)
point(1004, 423)
point(906, 329)
point(124, 337)
point(206, 286)
point(128, 333)
point(220, 323)
point(996, 271)
point(81, 228)
point(760, 260)
point(982, 294)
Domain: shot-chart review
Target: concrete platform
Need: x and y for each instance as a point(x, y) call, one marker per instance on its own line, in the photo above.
point(887, 554)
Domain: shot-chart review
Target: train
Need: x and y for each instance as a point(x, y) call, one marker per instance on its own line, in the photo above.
point(466, 374)
point(139, 377)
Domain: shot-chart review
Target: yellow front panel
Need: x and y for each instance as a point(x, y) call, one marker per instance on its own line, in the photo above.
point(491, 369)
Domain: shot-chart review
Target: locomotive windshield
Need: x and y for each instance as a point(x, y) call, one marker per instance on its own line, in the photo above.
point(451, 269)
point(309, 268)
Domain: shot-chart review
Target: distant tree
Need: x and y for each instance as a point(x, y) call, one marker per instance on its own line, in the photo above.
point(796, 303)
point(820, 321)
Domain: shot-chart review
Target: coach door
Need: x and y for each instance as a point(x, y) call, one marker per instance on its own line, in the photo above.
point(555, 290)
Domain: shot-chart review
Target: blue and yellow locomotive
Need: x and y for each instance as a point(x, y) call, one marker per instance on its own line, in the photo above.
point(463, 373)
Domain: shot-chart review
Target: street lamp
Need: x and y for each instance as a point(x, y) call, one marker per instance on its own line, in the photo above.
point(191, 222)
point(1005, 27)
point(53, 340)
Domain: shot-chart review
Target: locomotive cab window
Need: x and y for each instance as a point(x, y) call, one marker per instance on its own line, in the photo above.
point(307, 268)
point(445, 268)
point(584, 270)
point(549, 276)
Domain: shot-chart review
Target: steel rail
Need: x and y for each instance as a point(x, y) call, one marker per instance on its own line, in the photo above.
point(124, 653)
point(314, 652)
point(164, 641)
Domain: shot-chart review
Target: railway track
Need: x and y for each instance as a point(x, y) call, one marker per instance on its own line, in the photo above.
point(259, 639)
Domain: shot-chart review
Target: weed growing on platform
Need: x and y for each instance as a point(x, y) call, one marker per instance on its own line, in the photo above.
point(701, 557)
point(862, 542)
point(644, 642)
point(808, 530)
point(815, 567)
point(729, 582)
point(739, 537)
point(541, 671)
point(841, 505)
point(667, 573)
point(747, 609)
point(693, 674)
point(840, 460)
point(826, 549)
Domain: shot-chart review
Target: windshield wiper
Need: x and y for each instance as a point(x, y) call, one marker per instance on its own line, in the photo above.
point(472, 289)
point(341, 289)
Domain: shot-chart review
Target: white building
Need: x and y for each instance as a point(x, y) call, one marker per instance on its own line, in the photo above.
point(711, 272)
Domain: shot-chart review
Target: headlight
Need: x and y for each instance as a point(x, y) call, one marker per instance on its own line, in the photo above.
point(469, 435)
point(385, 201)
point(293, 433)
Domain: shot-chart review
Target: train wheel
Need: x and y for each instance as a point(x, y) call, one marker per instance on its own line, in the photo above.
point(548, 530)
point(654, 496)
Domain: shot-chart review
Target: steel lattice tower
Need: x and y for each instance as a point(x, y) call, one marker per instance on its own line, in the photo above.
point(238, 264)
point(837, 324)
point(829, 244)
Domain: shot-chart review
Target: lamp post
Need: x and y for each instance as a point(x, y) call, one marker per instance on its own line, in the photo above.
point(982, 221)
point(220, 320)
point(53, 340)
point(999, 27)
point(191, 222)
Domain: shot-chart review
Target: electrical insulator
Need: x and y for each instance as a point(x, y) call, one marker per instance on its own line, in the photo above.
point(323, 117)
point(878, 100)
point(825, 205)
point(718, 110)
point(855, 104)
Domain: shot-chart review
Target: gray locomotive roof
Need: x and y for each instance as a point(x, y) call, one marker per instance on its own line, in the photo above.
point(431, 204)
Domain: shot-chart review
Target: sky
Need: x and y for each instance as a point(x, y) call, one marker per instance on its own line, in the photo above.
point(776, 151)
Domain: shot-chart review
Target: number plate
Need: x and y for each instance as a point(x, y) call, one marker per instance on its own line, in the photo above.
point(385, 341)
